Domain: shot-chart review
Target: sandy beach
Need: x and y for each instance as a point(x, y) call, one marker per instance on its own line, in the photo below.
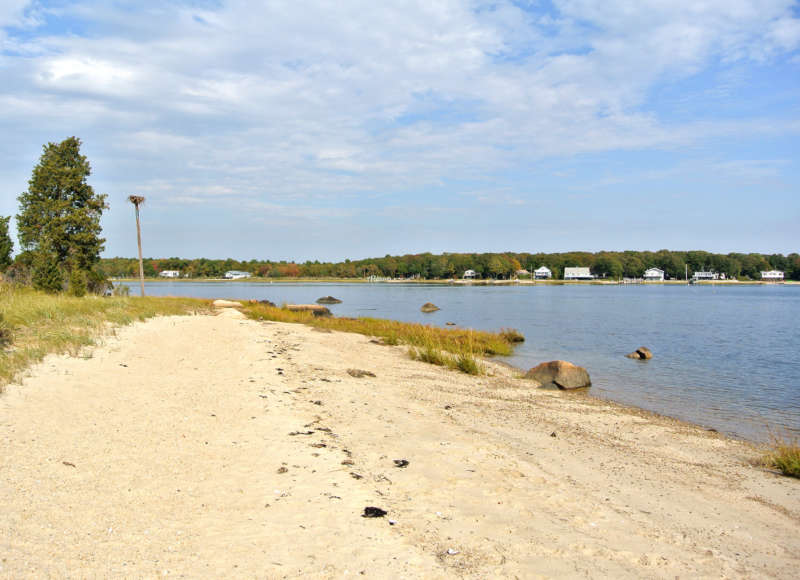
point(214, 446)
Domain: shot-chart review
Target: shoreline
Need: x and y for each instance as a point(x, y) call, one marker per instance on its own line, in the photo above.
point(216, 445)
point(459, 282)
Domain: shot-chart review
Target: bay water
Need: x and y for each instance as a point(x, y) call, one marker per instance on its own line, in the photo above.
point(725, 357)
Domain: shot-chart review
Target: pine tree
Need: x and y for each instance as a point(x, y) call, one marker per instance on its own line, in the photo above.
point(45, 272)
point(60, 214)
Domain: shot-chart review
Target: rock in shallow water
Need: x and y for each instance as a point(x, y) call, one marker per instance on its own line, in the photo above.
point(429, 307)
point(641, 353)
point(559, 374)
point(328, 300)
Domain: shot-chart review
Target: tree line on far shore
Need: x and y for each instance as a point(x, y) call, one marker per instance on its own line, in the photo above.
point(631, 264)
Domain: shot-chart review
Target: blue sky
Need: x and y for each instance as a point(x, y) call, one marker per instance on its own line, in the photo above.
point(328, 130)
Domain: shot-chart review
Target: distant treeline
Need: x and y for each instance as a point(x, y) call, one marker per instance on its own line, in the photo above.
point(488, 265)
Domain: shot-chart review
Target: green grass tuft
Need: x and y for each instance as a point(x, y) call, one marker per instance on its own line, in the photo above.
point(784, 456)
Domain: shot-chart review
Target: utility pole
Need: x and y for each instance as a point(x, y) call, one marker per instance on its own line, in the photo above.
point(137, 200)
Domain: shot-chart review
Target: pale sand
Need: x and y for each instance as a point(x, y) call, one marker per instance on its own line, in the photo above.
point(177, 428)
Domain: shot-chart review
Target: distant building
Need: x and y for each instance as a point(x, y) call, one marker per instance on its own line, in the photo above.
point(654, 275)
point(170, 273)
point(772, 276)
point(705, 276)
point(236, 275)
point(577, 274)
point(522, 272)
point(542, 273)
point(469, 274)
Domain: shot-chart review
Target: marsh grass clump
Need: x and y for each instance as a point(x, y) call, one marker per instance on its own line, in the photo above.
point(512, 335)
point(455, 348)
point(784, 455)
point(430, 355)
point(58, 323)
point(467, 363)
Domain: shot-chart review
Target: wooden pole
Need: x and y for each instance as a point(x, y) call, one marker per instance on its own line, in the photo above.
point(136, 200)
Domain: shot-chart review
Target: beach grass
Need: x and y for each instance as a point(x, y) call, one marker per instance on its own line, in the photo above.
point(34, 324)
point(784, 455)
point(454, 348)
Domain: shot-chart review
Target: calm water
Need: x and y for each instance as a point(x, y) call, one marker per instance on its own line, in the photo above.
point(724, 357)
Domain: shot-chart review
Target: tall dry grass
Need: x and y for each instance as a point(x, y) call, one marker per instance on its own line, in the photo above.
point(34, 324)
point(455, 348)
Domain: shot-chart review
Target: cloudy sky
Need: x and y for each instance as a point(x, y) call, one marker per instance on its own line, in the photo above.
point(333, 129)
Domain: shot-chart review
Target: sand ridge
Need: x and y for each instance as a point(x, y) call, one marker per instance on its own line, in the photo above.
point(210, 446)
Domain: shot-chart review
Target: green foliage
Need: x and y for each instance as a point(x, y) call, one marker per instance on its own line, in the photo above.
point(45, 272)
point(59, 214)
point(6, 244)
point(78, 285)
point(489, 265)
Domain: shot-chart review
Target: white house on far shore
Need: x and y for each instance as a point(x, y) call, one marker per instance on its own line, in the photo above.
point(170, 273)
point(542, 273)
point(578, 274)
point(236, 275)
point(654, 275)
point(772, 276)
point(469, 274)
point(697, 276)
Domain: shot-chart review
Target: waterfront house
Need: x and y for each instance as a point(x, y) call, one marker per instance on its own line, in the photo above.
point(697, 276)
point(170, 273)
point(577, 274)
point(236, 275)
point(772, 276)
point(654, 275)
point(542, 273)
point(469, 274)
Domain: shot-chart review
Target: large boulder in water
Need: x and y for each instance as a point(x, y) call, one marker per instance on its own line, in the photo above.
point(429, 307)
point(641, 353)
point(328, 300)
point(560, 374)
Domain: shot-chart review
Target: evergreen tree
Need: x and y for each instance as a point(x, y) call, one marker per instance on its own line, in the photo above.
point(60, 214)
point(45, 273)
point(6, 245)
